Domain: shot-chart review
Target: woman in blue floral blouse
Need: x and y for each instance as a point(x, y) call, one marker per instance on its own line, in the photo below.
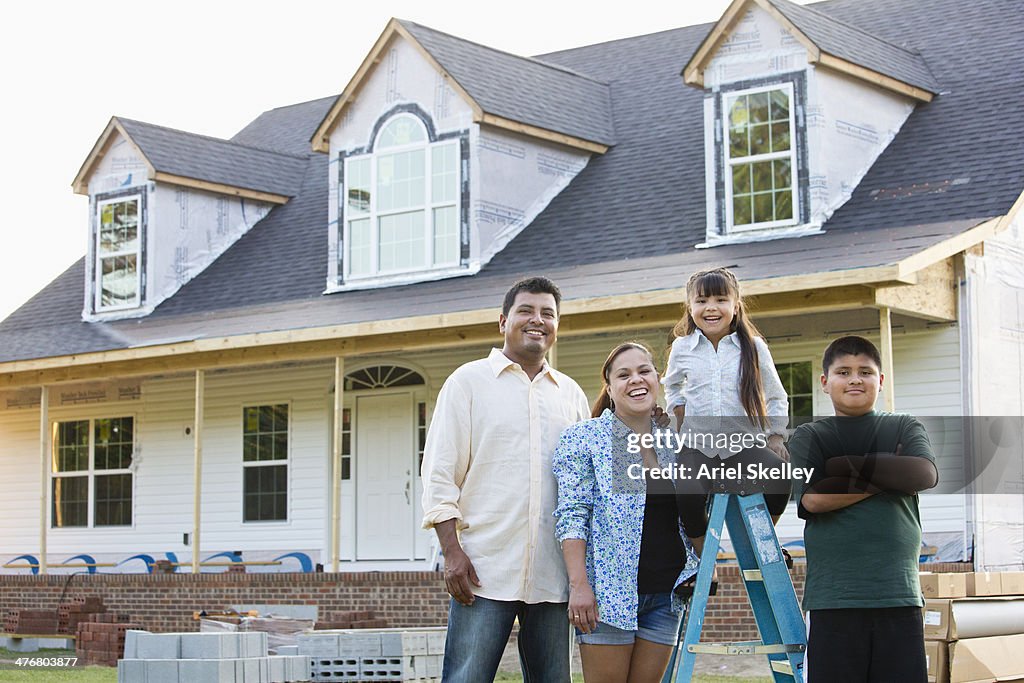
point(617, 521)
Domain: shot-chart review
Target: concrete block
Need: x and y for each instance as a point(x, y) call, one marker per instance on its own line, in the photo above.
point(252, 644)
point(161, 670)
point(277, 669)
point(318, 645)
point(131, 641)
point(286, 650)
point(298, 668)
point(158, 646)
point(433, 663)
point(380, 668)
point(131, 671)
point(435, 641)
point(360, 644)
point(210, 645)
point(403, 643)
point(207, 670)
point(250, 669)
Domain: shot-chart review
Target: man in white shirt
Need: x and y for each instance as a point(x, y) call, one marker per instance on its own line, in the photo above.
point(489, 493)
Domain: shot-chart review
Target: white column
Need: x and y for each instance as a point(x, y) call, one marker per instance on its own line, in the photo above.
point(197, 473)
point(888, 386)
point(44, 472)
point(339, 403)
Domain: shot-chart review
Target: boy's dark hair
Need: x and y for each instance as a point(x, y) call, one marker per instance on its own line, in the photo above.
point(851, 345)
point(531, 285)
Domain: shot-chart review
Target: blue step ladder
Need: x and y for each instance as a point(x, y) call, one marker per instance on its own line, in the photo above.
point(769, 588)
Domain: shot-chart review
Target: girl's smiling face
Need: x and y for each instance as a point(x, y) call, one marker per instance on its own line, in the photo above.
point(713, 314)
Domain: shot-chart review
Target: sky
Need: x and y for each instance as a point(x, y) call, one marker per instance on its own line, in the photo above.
point(210, 68)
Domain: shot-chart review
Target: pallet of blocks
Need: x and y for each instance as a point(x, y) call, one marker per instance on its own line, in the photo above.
point(206, 658)
point(975, 631)
point(384, 654)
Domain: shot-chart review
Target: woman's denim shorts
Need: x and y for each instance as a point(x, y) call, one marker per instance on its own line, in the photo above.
point(654, 620)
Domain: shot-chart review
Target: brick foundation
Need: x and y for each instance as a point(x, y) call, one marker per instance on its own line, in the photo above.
point(165, 602)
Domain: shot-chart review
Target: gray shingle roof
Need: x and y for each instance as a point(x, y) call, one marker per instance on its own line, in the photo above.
point(214, 160)
point(858, 46)
point(285, 129)
point(629, 221)
point(521, 89)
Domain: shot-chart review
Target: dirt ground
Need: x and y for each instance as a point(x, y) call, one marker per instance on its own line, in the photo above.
point(746, 666)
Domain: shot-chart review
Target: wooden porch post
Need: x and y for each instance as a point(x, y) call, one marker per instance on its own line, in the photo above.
point(44, 471)
point(553, 356)
point(339, 403)
point(888, 387)
point(197, 474)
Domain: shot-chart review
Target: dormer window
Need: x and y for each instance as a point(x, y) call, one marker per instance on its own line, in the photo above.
point(401, 203)
point(119, 230)
point(760, 158)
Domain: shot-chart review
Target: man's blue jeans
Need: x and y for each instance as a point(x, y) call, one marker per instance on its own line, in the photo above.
point(478, 633)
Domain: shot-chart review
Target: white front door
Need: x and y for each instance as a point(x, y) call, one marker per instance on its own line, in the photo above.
point(384, 492)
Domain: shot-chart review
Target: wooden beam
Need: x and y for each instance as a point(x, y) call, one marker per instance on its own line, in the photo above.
point(954, 245)
point(339, 397)
point(219, 188)
point(693, 72)
point(885, 333)
point(871, 76)
point(44, 471)
point(543, 133)
point(934, 297)
point(80, 184)
point(197, 470)
point(321, 138)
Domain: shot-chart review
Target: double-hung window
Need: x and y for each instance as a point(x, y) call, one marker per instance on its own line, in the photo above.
point(90, 475)
point(760, 158)
point(265, 463)
point(118, 252)
point(400, 204)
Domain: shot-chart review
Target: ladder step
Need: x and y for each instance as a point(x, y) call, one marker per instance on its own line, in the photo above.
point(743, 649)
point(781, 666)
point(752, 575)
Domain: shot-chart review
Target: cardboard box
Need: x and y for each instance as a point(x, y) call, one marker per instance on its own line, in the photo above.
point(943, 585)
point(1012, 583)
point(936, 653)
point(984, 583)
point(986, 659)
point(955, 618)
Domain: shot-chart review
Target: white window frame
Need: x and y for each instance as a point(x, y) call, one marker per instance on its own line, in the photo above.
point(100, 255)
point(286, 462)
point(728, 162)
point(427, 208)
point(91, 473)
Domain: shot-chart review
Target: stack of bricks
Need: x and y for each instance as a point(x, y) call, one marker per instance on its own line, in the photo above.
point(101, 640)
point(349, 620)
point(375, 654)
point(31, 621)
point(79, 610)
point(207, 658)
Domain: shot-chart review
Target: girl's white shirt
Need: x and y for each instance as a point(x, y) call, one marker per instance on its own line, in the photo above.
point(707, 383)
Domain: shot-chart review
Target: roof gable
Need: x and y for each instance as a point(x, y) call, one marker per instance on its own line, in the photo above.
point(829, 42)
point(525, 95)
point(201, 162)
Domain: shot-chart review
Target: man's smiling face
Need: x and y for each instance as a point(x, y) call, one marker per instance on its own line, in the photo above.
point(530, 328)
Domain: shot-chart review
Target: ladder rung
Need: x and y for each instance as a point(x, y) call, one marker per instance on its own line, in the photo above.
point(782, 667)
point(752, 575)
point(743, 649)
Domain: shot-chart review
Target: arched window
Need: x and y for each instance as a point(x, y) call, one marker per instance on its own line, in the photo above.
point(401, 203)
point(382, 377)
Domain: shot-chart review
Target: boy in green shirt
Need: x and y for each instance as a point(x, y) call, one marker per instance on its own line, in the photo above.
point(863, 526)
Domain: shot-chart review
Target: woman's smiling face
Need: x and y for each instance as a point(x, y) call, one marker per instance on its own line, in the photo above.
point(633, 383)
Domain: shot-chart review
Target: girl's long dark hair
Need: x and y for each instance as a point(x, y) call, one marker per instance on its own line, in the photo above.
point(718, 282)
point(604, 399)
